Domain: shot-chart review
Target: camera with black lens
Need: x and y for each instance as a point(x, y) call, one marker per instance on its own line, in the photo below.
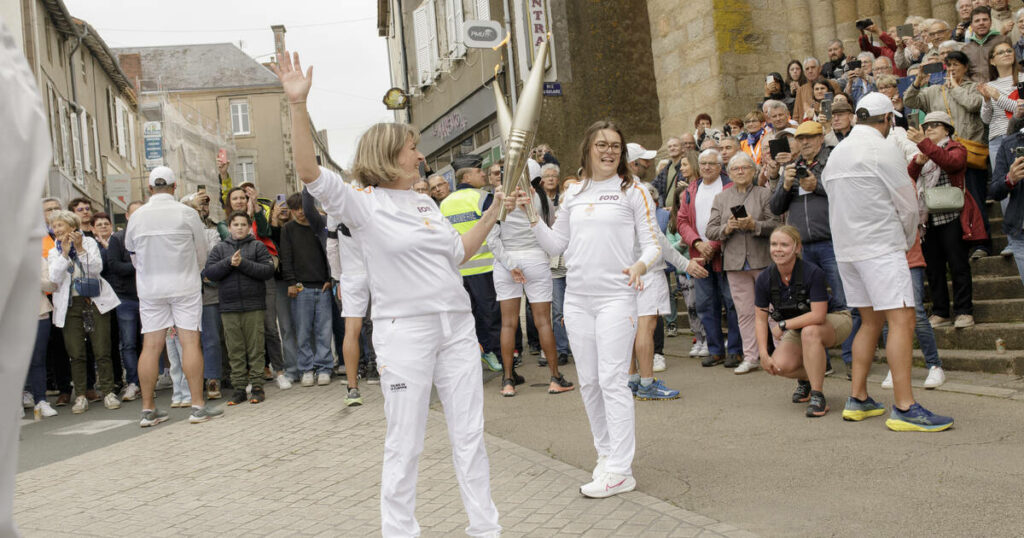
point(791, 309)
point(802, 171)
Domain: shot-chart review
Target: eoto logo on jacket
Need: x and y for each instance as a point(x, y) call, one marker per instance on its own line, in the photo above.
point(608, 197)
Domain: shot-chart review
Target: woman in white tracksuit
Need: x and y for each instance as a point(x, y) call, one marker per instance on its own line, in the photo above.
point(423, 326)
point(521, 266)
point(599, 221)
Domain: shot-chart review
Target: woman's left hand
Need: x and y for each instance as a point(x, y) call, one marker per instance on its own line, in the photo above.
point(915, 135)
point(636, 271)
point(76, 238)
point(518, 276)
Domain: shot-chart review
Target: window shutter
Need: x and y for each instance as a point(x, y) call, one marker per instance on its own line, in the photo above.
point(119, 108)
point(50, 99)
point(76, 149)
point(456, 27)
point(483, 10)
point(131, 139)
point(83, 119)
point(419, 18)
point(64, 135)
point(435, 60)
point(96, 149)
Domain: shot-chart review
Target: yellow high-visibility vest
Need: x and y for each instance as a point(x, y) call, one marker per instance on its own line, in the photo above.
point(463, 208)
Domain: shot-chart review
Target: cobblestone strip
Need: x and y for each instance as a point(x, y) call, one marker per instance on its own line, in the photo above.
point(301, 464)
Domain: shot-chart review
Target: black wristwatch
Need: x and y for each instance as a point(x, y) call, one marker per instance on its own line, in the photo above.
point(782, 324)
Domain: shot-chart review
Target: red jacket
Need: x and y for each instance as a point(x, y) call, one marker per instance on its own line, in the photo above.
point(952, 159)
point(889, 50)
point(686, 223)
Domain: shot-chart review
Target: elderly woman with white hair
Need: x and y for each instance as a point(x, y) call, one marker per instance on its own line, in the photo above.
point(743, 221)
point(81, 306)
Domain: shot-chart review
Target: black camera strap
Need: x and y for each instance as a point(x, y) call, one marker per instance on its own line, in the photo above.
point(796, 284)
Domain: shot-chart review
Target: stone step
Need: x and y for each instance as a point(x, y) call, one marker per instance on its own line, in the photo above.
point(982, 337)
point(994, 210)
point(995, 310)
point(972, 360)
point(996, 265)
point(984, 288)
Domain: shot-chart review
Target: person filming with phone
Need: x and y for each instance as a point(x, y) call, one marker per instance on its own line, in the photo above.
point(801, 197)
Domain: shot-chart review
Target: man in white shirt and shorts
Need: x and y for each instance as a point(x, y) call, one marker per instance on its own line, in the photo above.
point(168, 246)
point(873, 226)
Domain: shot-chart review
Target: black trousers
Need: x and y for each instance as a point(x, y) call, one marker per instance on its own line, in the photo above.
point(942, 246)
point(486, 312)
point(659, 335)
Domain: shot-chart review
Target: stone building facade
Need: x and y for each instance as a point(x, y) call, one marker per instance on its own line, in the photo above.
point(712, 55)
point(601, 67)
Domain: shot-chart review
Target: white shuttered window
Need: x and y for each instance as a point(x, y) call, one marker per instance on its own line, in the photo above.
point(425, 33)
point(483, 10)
point(240, 117)
point(455, 20)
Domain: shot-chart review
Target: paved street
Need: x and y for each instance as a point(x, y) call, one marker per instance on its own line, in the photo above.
point(299, 464)
point(732, 457)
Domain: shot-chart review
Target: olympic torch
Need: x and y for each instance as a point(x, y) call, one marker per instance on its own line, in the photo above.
point(520, 133)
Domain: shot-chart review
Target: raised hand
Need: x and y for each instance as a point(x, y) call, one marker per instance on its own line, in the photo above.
point(289, 71)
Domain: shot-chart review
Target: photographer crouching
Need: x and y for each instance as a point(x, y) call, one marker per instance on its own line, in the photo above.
point(808, 319)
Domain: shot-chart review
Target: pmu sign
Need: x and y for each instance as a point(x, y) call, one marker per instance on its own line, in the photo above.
point(483, 34)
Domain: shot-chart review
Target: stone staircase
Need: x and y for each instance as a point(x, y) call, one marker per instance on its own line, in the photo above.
point(998, 313)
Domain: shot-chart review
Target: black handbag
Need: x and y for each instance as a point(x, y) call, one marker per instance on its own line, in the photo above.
point(86, 286)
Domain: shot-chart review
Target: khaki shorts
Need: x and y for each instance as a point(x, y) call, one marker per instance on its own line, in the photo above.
point(841, 322)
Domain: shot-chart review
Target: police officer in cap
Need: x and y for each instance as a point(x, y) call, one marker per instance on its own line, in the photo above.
point(463, 208)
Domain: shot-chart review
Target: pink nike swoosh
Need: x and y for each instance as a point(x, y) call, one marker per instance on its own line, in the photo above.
point(607, 487)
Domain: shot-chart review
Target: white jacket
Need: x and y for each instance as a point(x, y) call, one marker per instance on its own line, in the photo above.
point(92, 263)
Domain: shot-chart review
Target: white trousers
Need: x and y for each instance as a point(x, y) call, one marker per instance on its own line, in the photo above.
point(601, 332)
point(414, 353)
point(19, 320)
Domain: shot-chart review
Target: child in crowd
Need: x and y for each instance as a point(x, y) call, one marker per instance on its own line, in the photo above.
point(241, 265)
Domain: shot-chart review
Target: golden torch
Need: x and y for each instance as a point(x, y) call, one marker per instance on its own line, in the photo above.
point(518, 131)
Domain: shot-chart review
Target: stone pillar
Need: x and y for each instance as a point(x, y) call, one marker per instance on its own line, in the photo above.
point(945, 10)
point(845, 13)
point(921, 8)
point(800, 37)
point(822, 26)
point(894, 13)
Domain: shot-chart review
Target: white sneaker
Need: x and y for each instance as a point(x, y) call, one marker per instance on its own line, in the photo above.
point(887, 382)
point(608, 484)
point(936, 377)
point(45, 410)
point(81, 405)
point(283, 382)
point(110, 401)
point(164, 381)
point(746, 367)
point(703, 352)
point(694, 349)
point(323, 378)
point(307, 379)
point(27, 400)
point(131, 392)
point(599, 468)
point(659, 362)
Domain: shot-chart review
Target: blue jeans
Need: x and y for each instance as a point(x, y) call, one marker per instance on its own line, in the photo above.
point(712, 294)
point(128, 333)
point(311, 316)
point(1016, 244)
point(210, 339)
point(287, 329)
point(820, 253)
point(922, 329)
point(557, 323)
point(671, 318)
point(37, 368)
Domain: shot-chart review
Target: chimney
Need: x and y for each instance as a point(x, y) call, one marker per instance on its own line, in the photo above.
point(131, 64)
point(279, 31)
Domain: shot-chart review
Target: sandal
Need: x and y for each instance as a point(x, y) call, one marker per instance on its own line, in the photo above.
point(559, 385)
point(508, 388)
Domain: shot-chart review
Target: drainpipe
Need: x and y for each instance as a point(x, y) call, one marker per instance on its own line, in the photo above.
point(405, 58)
point(511, 58)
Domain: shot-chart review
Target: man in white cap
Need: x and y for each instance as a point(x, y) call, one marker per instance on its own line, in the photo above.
point(639, 160)
point(168, 246)
point(872, 229)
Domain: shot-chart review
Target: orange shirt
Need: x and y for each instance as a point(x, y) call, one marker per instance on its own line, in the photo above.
point(48, 244)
